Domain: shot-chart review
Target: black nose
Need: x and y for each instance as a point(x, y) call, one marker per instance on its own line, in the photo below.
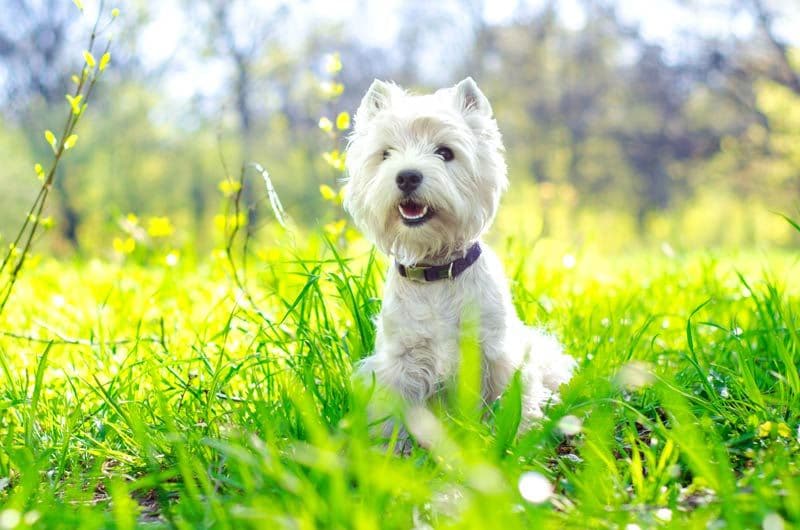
point(408, 180)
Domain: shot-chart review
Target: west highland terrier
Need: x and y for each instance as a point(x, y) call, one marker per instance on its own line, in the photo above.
point(425, 177)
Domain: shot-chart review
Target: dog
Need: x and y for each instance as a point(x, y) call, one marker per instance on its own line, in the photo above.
point(425, 174)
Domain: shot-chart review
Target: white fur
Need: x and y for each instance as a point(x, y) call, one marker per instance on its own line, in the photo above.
point(417, 342)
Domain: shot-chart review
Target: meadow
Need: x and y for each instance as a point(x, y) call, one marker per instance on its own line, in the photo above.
point(191, 368)
point(182, 394)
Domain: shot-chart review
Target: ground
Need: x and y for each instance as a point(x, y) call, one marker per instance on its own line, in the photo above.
point(148, 395)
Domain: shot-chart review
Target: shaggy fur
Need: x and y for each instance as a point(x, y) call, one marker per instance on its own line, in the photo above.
point(417, 343)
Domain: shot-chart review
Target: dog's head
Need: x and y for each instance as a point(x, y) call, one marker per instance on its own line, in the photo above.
point(425, 172)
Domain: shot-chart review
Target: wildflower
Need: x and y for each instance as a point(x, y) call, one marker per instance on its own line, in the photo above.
point(336, 228)
point(784, 431)
point(343, 121)
point(89, 58)
point(765, 429)
point(104, 60)
point(328, 193)
point(75, 103)
point(333, 63)
point(229, 187)
point(159, 227)
point(325, 124)
point(331, 89)
point(51, 138)
point(124, 246)
point(335, 159)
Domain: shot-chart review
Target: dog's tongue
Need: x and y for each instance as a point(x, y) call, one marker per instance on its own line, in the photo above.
point(412, 209)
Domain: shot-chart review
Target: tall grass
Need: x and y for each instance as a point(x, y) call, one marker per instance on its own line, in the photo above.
point(158, 396)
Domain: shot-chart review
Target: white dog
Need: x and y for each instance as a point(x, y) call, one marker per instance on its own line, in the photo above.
point(425, 178)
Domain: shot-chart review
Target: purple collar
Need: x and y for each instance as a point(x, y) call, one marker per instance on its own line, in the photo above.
point(450, 270)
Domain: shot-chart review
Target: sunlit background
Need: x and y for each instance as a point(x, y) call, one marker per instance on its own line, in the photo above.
point(669, 124)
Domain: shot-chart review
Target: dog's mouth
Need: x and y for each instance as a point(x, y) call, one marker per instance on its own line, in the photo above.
point(414, 213)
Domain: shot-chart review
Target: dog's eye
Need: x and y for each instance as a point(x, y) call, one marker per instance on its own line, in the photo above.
point(386, 154)
point(445, 152)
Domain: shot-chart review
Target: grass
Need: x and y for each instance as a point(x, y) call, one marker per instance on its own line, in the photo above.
point(160, 397)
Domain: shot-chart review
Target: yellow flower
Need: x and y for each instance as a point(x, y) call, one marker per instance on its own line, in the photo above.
point(78, 4)
point(229, 187)
point(75, 103)
point(51, 138)
point(335, 159)
point(114, 13)
point(104, 61)
point(70, 141)
point(784, 431)
point(159, 227)
point(230, 222)
point(269, 255)
point(343, 121)
point(765, 429)
point(327, 192)
point(333, 63)
point(331, 89)
point(325, 124)
point(124, 246)
point(132, 219)
point(336, 228)
point(39, 172)
point(89, 58)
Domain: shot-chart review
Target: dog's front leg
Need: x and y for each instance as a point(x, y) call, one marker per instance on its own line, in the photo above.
point(410, 376)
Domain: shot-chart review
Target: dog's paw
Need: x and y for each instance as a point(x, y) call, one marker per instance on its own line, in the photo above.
point(404, 446)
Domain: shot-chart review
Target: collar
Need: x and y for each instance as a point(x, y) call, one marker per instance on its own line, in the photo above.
point(450, 270)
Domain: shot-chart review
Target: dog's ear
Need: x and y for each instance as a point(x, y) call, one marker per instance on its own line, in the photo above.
point(377, 98)
point(469, 98)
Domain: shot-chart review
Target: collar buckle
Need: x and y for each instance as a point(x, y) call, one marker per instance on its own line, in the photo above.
point(448, 271)
point(416, 273)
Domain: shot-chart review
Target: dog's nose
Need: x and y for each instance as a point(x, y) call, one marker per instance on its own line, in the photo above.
point(408, 180)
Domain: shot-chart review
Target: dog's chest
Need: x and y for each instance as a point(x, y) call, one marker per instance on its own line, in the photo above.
point(428, 316)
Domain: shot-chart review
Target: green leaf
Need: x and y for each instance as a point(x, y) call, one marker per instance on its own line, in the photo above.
point(508, 415)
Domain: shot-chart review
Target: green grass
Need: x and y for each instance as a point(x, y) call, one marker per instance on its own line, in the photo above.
point(148, 396)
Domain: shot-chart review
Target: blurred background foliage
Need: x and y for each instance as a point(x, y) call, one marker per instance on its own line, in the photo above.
point(673, 123)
